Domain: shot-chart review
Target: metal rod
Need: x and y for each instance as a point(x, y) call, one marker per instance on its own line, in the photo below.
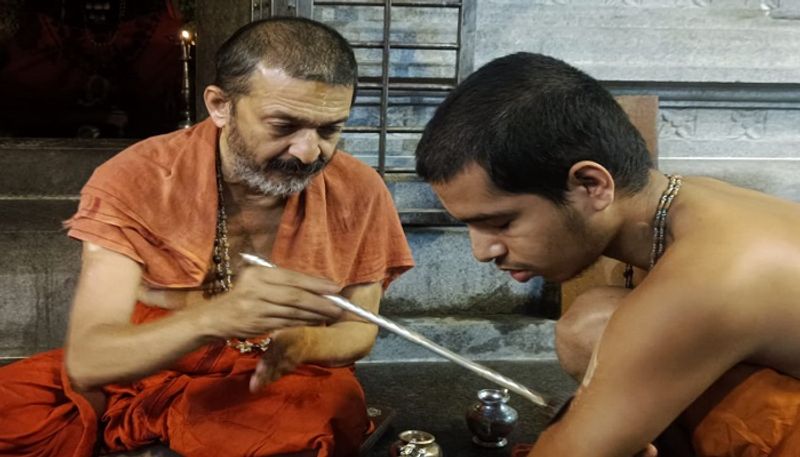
point(366, 129)
point(408, 86)
point(411, 4)
point(428, 46)
point(414, 337)
point(459, 31)
point(384, 115)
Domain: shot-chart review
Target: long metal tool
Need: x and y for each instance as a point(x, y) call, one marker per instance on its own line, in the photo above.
point(414, 337)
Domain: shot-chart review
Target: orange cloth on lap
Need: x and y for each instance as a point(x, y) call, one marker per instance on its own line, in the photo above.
point(156, 202)
point(758, 418)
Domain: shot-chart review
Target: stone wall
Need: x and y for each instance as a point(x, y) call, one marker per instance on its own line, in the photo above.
point(727, 72)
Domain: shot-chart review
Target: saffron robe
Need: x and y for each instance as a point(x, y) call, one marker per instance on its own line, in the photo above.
point(156, 203)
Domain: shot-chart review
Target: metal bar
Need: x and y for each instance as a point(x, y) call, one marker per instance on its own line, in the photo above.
point(432, 46)
point(367, 129)
point(465, 60)
point(305, 8)
point(414, 337)
point(412, 4)
point(458, 41)
point(408, 86)
point(282, 8)
point(387, 23)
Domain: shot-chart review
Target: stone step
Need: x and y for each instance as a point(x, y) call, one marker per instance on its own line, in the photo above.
point(497, 337)
point(447, 280)
point(411, 192)
point(51, 166)
point(35, 213)
point(41, 270)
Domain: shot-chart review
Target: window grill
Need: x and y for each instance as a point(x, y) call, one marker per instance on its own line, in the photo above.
point(392, 84)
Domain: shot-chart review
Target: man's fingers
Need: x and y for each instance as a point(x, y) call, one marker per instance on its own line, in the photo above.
point(257, 379)
point(302, 301)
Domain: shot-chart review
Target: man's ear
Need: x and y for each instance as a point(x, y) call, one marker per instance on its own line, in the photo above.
point(590, 185)
point(218, 105)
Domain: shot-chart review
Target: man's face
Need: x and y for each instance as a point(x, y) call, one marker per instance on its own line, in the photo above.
point(284, 131)
point(526, 235)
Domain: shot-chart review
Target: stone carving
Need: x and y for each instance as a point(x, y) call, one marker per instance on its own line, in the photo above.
point(749, 124)
point(693, 3)
point(769, 5)
point(623, 2)
point(678, 123)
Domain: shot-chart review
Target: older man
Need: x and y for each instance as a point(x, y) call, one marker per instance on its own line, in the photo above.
point(171, 337)
point(548, 174)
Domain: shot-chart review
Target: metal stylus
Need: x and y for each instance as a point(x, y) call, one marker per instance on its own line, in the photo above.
point(414, 337)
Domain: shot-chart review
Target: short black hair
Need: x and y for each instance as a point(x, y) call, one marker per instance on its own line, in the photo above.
point(302, 48)
point(526, 119)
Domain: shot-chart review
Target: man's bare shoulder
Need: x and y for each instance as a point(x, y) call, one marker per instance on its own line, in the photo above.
point(739, 234)
point(734, 258)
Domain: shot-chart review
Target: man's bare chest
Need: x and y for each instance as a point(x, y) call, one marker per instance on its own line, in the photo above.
point(251, 230)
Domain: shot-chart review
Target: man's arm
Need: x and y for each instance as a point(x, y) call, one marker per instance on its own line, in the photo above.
point(350, 338)
point(341, 343)
point(104, 347)
point(667, 343)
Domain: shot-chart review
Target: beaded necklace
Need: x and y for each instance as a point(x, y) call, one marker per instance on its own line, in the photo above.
point(223, 272)
point(659, 226)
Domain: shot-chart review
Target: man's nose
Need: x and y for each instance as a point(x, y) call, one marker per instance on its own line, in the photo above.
point(305, 146)
point(485, 247)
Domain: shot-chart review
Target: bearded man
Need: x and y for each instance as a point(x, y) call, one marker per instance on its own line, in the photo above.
point(171, 337)
point(548, 173)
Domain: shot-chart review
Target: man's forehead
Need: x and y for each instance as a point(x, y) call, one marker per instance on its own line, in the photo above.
point(272, 79)
point(471, 194)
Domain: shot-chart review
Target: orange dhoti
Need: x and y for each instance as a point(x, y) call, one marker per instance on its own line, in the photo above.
point(202, 409)
point(760, 417)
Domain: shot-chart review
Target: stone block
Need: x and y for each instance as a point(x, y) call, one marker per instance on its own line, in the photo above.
point(774, 176)
point(448, 280)
point(51, 166)
point(490, 337)
point(36, 288)
point(632, 40)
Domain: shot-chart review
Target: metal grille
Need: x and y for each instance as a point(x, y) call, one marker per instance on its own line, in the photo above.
point(392, 84)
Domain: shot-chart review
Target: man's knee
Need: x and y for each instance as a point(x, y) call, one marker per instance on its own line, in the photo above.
point(579, 329)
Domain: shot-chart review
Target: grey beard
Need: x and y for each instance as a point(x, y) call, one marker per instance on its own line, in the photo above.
point(256, 180)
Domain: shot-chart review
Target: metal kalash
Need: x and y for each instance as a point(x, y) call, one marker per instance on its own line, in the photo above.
point(416, 338)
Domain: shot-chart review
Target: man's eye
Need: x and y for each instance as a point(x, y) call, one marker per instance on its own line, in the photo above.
point(329, 131)
point(502, 225)
point(284, 129)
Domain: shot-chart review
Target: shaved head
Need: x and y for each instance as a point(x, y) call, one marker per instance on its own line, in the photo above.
point(302, 48)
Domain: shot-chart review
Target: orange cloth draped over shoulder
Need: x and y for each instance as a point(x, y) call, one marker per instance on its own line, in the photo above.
point(156, 202)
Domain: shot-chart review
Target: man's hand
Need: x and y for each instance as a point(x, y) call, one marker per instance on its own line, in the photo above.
point(265, 299)
point(286, 351)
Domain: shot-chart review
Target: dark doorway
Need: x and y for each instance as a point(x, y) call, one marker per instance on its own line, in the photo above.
point(90, 68)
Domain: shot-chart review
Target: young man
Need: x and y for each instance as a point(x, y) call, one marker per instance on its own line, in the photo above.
point(549, 174)
point(168, 330)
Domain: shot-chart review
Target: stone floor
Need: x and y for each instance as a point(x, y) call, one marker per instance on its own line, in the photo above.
point(434, 397)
